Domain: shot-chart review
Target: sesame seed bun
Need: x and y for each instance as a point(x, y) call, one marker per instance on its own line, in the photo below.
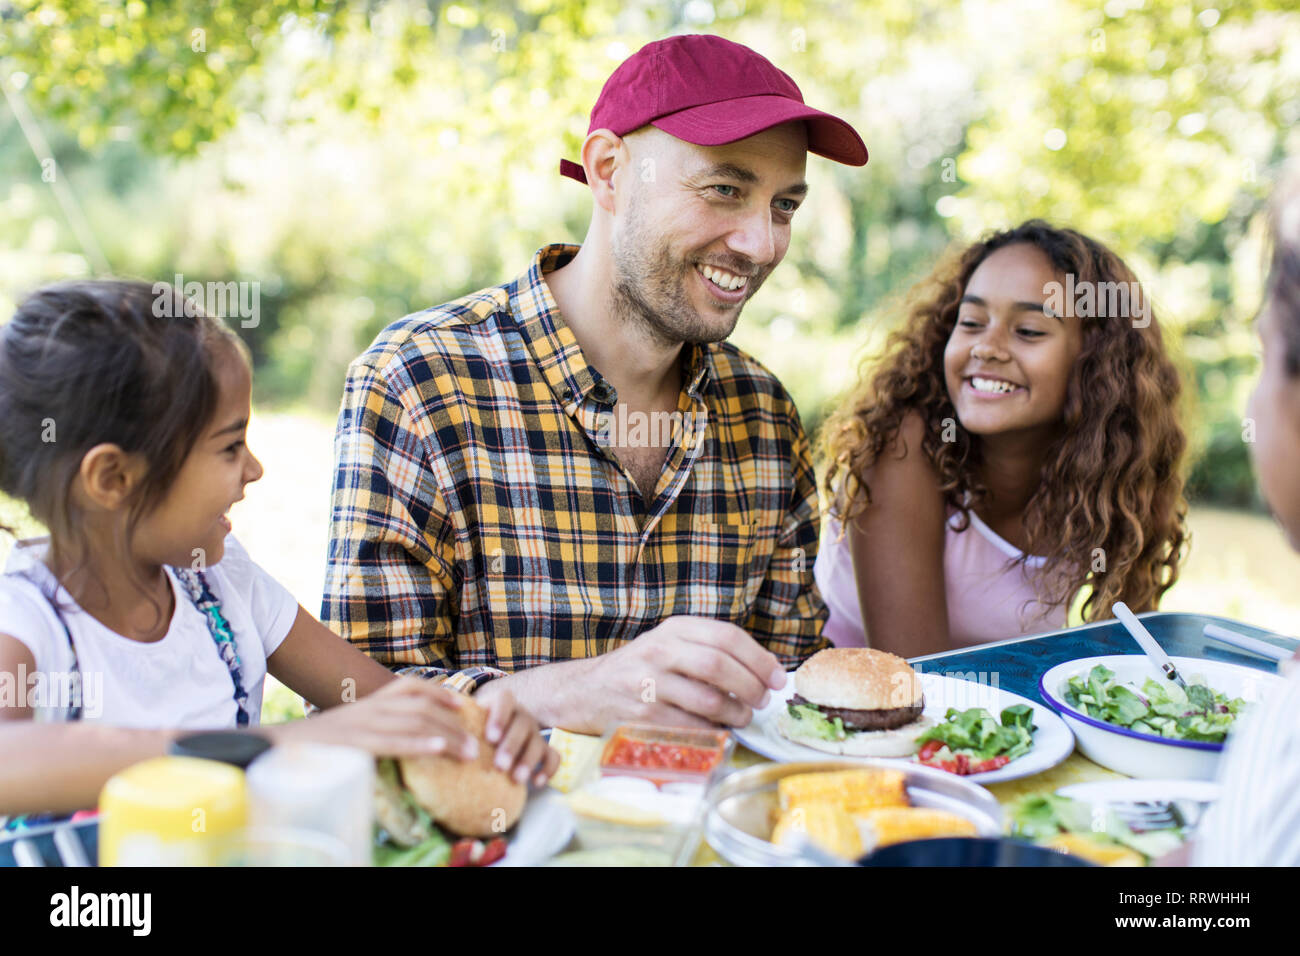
point(858, 678)
point(469, 797)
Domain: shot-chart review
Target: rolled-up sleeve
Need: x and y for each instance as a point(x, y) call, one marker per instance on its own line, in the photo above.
point(391, 586)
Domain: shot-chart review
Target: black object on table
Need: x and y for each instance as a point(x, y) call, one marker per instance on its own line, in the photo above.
point(237, 749)
point(969, 851)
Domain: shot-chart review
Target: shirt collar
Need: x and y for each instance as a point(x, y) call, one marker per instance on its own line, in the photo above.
point(553, 344)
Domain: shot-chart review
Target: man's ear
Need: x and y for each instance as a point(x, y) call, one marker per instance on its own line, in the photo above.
point(603, 152)
point(109, 476)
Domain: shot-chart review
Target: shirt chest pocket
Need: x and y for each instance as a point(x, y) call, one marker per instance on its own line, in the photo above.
point(722, 583)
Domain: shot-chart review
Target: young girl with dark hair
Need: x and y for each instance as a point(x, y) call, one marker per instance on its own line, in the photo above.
point(1019, 442)
point(123, 412)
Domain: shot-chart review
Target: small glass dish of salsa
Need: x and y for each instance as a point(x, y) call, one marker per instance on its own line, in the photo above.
point(664, 754)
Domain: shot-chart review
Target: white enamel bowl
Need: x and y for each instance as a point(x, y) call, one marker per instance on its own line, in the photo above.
point(1145, 755)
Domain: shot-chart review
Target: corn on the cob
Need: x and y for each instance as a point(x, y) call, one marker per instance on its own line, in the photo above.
point(825, 824)
point(852, 790)
point(899, 824)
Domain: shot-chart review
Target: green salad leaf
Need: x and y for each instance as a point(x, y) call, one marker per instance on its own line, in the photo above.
point(975, 732)
point(1159, 708)
point(1041, 816)
point(433, 848)
point(434, 851)
point(816, 722)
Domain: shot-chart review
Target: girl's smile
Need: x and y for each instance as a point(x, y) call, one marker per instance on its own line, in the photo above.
point(1009, 357)
point(992, 387)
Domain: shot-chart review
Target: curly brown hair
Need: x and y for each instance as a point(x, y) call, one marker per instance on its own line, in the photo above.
point(1111, 481)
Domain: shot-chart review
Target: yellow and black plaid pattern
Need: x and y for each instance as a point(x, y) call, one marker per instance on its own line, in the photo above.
point(482, 524)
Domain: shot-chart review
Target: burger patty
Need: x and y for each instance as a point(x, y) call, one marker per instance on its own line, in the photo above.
point(866, 719)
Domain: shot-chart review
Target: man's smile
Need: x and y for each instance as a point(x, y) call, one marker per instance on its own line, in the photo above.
point(721, 277)
point(725, 286)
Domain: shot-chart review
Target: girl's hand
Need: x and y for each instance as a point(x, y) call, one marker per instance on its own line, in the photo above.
point(407, 717)
point(521, 749)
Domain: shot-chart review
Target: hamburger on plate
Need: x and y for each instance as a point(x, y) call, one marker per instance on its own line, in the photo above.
point(857, 702)
point(470, 798)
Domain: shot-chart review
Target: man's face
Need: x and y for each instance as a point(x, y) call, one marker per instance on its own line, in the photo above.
point(689, 210)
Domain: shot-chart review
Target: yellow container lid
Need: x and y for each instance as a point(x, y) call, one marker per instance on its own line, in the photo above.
point(166, 810)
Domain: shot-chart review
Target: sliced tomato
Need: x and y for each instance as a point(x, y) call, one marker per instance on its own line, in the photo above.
point(931, 748)
point(494, 851)
point(962, 765)
point(948, 765)
point(471, 852)
point(463, 852)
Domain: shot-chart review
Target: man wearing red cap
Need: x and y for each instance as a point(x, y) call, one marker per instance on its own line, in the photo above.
point(568, 488)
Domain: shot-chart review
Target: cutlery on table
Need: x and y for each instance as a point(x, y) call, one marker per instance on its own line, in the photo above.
point(1142, 816)
point(1148, 643)
point(1246, 643)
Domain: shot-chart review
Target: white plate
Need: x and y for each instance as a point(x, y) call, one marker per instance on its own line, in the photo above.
point(546, 827)
point(1144, 755)
point(1053, 741)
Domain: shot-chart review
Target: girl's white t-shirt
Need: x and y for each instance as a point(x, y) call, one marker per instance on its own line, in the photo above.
point(178, 681)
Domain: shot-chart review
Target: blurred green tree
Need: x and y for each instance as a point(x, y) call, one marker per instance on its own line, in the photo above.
point(367, 159)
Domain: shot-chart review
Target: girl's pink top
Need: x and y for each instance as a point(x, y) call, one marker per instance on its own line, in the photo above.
point(990, 598)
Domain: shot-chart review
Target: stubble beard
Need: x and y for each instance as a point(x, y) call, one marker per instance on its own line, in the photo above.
point(650, 292)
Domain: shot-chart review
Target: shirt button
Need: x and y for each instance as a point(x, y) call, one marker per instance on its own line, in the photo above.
point(568, 394)
point(603, 393)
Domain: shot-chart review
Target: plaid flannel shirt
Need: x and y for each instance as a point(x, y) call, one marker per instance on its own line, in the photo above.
point(482, 524)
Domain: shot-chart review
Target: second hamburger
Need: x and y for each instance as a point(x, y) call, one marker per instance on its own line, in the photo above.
point(856, 702)
point(471, 798)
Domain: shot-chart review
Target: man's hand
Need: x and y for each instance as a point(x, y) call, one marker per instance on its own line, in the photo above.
point(687, 672)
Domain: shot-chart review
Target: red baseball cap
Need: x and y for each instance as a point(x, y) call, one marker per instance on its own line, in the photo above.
point(708, 91)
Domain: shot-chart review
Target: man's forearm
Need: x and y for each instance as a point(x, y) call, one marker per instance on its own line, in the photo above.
point(557, 695)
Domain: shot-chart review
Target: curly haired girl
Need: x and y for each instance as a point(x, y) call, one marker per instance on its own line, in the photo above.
point(1019, 442)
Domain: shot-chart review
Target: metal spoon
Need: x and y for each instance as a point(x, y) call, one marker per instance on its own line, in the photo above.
point(1147, 642)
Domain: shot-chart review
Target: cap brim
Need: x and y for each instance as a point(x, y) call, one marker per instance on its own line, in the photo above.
point(715, 124)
